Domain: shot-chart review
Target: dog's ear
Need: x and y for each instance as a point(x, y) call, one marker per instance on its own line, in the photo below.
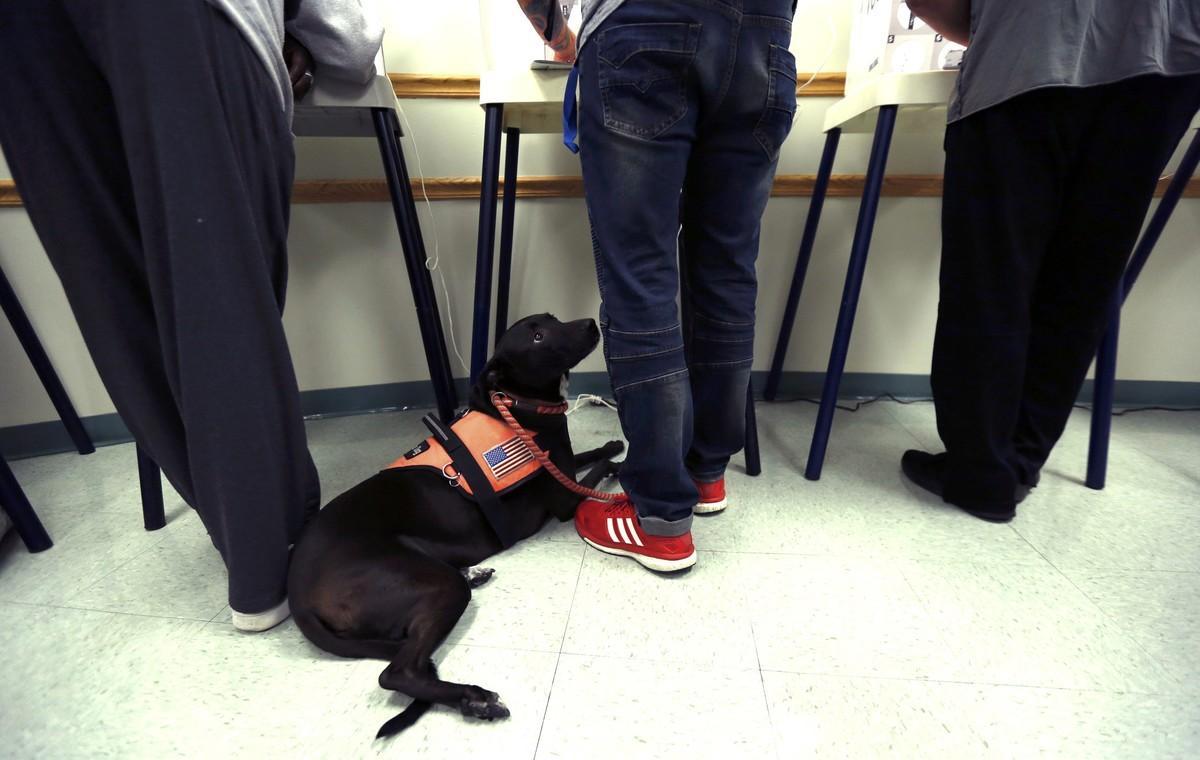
point(494, 375)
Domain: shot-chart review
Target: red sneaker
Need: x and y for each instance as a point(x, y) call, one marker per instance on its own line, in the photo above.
point(712, 497)
point(613, 527)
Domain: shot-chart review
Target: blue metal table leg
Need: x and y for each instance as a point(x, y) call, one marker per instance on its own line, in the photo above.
point(512, 146)
point(753, 459)
point(42, 366)
point(1162, 214)
point(1106, 355)
point(153, 515)
point(20, 511)
point(816, 204)
point(404, 208)
point(854, 278)
point(1102, 399)
point(484, 254)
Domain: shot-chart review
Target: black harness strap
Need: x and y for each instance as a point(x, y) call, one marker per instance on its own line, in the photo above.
point(481, 487)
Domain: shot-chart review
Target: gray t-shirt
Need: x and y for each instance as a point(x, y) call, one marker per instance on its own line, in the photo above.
point(594, 12)
point(341, 35)
point(1022, 45)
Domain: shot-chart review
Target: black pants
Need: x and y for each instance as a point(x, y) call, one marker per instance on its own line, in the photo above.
point(155, 161)
point(1044, 199)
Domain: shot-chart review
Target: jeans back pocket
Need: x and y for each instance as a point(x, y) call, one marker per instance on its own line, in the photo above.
point(643, 75)
point(780, 108)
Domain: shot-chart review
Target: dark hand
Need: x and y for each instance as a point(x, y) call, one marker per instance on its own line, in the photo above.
point(299, 65)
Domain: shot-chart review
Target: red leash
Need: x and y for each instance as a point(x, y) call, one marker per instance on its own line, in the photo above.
point(502, 402)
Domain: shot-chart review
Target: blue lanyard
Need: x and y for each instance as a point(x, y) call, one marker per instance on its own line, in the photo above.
point(571, 111)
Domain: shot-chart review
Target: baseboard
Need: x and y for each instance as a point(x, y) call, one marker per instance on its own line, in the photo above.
point(21, 441)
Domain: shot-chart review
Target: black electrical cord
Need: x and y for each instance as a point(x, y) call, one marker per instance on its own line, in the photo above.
point(1132, 409)
point(859, 404)
point(891, 397)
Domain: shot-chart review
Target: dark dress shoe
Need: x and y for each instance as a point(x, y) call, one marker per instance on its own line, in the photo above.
point(929, 472)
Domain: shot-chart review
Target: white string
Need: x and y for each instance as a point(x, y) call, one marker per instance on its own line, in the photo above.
point(828, 53)
point(592, 400)
point(432, 263)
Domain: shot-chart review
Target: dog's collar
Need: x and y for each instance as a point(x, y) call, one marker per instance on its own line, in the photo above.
point(513, 401)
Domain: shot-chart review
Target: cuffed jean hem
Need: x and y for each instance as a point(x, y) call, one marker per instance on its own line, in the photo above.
point(656, 526)
point(711, 476)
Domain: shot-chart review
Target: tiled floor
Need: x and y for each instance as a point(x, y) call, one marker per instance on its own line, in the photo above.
point(852, 617)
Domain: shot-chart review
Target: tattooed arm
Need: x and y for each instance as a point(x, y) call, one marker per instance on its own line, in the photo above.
point(950, 18)
point(547, 18)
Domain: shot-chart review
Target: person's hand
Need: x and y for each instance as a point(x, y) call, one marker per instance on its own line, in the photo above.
point(567, 53)
point(299, 65)
point(548, 14)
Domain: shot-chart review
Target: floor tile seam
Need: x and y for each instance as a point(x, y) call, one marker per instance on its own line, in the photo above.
point(546, 708)
point(121, 564)
point(925, 608)
point(1132, 441)
point(77, 608)
point(1120, 627)
point(869, 557)
point(558, 656)
point(960, 682)
point(691, 664)
point(158, 541)
point(763, 685)
point(451, 642)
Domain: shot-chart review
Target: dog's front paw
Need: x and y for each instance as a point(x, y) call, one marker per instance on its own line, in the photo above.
point(477, 576)
point(612, 448)
point(483, 704)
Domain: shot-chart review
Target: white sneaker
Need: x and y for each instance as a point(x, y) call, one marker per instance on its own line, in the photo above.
point(261, 621)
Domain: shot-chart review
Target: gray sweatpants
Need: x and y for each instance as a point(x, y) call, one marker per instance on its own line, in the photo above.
point(149, 146)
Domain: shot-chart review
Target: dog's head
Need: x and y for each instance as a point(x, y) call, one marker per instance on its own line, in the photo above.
point(534, 355)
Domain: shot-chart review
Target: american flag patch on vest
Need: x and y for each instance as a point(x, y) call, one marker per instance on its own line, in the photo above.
point(506, 457)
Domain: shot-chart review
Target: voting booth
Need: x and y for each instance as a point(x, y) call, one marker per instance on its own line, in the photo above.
point(887, 38)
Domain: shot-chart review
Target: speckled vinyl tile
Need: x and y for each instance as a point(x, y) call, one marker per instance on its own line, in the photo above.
point(849, 617)
point(1029, 625)
point(605, 708)
point(526, 603)
point(821, 716)
point(696, 618)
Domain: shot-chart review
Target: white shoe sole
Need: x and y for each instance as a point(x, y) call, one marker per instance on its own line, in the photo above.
point(710, 507)
point(261, 621)
point(651, 563)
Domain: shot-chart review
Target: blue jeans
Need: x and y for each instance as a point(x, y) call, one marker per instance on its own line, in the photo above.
point(683, 107)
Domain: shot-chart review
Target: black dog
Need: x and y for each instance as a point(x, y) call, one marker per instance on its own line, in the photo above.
point(386, 569)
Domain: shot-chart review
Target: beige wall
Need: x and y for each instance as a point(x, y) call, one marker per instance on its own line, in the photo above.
point(349, 316)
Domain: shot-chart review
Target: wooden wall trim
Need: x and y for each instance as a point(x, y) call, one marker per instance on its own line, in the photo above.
point(467, 188)
point(435, 86)
point(466, 87)
point(828, 85)
point(437, 188)
point(8, 193)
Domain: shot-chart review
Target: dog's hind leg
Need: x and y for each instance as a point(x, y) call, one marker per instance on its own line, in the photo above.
point(318, 632)
point(607, 451)
point(443, 597)
point(599, 474)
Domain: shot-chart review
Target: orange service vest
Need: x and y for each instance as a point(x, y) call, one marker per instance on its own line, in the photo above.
point(500, 454)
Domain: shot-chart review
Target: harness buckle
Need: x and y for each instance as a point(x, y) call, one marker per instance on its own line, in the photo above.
point(453, 479)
